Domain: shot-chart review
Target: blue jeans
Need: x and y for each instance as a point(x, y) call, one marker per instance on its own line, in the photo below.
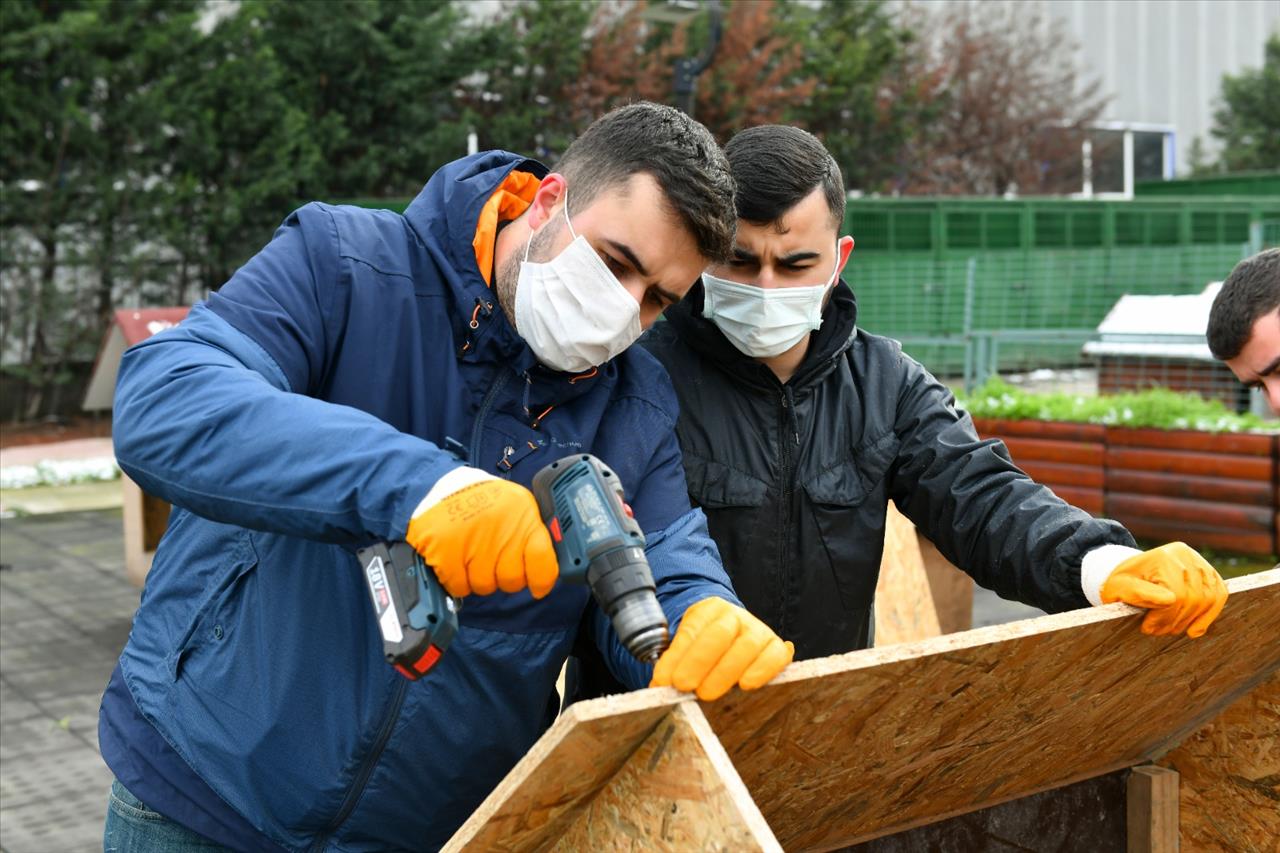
point(131, 827)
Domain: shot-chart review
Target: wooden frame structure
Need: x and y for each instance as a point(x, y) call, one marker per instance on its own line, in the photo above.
point(850, 748)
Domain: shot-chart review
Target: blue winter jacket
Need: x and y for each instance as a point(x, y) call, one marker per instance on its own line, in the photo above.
point(302, 412)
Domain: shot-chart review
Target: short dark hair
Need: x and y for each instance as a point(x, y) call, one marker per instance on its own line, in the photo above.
point(776, 166)
point(680, 154)
point(1252, 290)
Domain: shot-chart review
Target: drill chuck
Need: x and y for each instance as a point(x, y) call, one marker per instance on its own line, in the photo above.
point(623, 586)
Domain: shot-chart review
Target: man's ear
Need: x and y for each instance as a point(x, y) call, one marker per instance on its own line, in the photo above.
point(546, 200)
point(844, 246)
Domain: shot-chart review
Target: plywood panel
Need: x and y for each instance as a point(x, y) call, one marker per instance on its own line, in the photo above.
point(543, 794)
point(848, 748)
point(843, 749)
point(952, 589)
point(677, 792)
point(904, 609)
point(1229, 796)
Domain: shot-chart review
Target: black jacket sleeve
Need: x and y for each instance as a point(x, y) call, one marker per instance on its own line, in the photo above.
point(985, 515)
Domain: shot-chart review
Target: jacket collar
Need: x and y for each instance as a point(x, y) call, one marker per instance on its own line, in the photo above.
point(829, 342)
point(445, 217)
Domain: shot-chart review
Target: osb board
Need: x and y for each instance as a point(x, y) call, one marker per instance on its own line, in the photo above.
point(839, 750)
point(1229, 797)
point(677, 792)
point(573, 760)
point(843, 749)
point(904, 609)
point(952, 589)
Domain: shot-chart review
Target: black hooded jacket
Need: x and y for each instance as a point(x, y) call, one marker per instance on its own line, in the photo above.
point(795, 478)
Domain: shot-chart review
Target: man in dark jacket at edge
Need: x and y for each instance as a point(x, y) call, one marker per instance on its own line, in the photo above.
point(370, 376)
point(1244, 324)
point(797, 428)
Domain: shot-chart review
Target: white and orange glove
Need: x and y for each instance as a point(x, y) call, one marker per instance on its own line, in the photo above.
point(482, 534)
point(1175, 585)
point(717, 646)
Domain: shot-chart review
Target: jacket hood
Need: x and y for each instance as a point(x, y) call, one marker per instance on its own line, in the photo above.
point(444, 217)
point(839, 328)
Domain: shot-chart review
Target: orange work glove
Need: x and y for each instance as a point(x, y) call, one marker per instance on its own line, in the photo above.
point(718, 645)
point(1178, 586)
point(481, 534)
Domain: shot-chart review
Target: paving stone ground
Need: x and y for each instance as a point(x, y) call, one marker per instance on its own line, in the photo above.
point(65, 611)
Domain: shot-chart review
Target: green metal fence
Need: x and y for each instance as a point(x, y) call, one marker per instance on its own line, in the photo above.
point(978, 285)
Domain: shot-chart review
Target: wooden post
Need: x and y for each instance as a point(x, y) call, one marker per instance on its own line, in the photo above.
point(145, 519)
point(1153, 810)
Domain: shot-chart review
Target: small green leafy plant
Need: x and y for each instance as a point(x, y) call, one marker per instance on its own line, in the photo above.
point(1158, 408)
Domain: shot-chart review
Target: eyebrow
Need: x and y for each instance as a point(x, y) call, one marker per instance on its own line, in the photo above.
point(742, 254)
point(625, 250)
point(1270, 368)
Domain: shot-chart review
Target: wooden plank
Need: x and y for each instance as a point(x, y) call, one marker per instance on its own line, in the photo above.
point(904, 608)
point(1066, 430)
point(1246, 492)
point(844, 749)
point(952, 589)
point(678, 791)
point(1229, 796)
point(573, 760)
point(1246, 444)
point(1199, 537)
point(1049, 450)
point(1257, 469)
point(1059, 474)
point(1089, 500)
point(1152, 810)
point(1213, 514)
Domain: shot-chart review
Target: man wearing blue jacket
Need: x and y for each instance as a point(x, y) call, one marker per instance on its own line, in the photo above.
point(310, 407)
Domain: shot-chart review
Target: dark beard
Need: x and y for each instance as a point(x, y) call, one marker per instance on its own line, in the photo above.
point(508, 274)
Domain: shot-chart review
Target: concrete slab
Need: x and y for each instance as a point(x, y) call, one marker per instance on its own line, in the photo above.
point(65, 610)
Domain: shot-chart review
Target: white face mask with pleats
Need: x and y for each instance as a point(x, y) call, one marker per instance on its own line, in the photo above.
point(572, 310)
point(764, 322)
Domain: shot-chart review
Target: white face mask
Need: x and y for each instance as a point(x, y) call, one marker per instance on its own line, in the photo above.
point(572, 310)
point(764, 322)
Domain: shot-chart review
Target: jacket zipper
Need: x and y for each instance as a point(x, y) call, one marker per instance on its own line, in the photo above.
point(787, 430)
point(499, 382)
point(384, 733)
point(366, 768)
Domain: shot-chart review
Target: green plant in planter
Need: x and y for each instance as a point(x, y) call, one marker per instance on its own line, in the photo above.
point(1158, 408)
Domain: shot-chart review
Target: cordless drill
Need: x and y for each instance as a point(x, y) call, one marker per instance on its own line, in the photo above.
point(597, 542)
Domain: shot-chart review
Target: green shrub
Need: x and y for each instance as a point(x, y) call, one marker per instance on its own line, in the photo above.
point(1158, 408)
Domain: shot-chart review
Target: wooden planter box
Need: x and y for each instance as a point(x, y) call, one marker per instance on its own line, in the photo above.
point(1211, 490)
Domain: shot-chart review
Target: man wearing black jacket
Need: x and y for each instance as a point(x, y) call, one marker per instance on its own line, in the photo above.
point(797, 428)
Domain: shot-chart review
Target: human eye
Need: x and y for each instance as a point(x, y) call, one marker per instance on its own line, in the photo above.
point(615, 266)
